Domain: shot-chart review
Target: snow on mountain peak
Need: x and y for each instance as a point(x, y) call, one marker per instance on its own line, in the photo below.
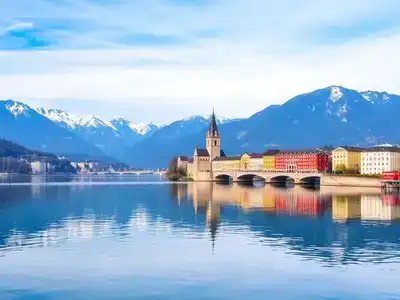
point(59, 116)
point(17, 108)
point(336, 94)
point(95, 121)
point(144, 128)
point(376, 97)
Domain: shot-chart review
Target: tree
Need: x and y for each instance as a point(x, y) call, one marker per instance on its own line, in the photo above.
point(173, 165)
point(174, 173)
point(341, 169)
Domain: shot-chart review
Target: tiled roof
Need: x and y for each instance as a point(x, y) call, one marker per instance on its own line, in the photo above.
point(300, 151)
point(382, 149)
point(227, 158)
point(351, 148)
point(202, 152)
point(271, 152)
point(183, 158)
point(255, 155)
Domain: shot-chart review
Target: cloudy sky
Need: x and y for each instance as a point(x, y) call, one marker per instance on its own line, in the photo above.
point(159, 60)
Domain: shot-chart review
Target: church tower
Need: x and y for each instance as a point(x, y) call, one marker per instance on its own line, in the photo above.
point(213, 140)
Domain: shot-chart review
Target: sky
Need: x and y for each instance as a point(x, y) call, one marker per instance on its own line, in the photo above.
point(162, 60)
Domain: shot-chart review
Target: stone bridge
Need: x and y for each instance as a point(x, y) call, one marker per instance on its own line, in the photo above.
point(268, 177)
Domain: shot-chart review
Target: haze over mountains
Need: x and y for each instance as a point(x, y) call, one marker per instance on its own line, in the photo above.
point(333, 115)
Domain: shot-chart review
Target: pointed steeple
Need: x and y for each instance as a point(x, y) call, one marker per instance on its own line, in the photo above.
point(213, 128)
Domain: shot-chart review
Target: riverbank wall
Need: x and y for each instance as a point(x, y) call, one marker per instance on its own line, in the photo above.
point(331, 180)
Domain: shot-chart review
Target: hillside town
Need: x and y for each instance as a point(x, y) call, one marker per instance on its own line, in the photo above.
point(340, 160)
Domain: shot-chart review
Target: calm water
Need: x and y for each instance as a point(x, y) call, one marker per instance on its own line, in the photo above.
point(140, 238)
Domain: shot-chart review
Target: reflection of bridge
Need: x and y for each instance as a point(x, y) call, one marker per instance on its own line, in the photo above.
point(269, 177)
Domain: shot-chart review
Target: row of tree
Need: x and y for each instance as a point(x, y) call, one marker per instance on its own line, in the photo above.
point(342, 169)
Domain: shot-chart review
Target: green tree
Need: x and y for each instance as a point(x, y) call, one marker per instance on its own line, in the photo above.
point(341, 169)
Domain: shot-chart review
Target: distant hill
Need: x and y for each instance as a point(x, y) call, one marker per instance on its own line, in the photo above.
point(10, 149)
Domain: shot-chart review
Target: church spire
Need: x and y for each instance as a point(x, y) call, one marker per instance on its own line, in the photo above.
point(213, 128)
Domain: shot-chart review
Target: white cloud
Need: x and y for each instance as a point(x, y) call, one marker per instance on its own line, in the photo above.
point(19, 26)
point(264, 53)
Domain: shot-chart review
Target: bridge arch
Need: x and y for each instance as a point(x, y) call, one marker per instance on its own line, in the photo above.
point(282, 179)
point(311, 180)
point(250, 178)
point(224, 178)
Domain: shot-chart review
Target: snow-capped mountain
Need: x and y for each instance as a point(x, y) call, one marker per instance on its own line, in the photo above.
point(378, 97)
point(113, 137)
point(330, 116)
point(24, 125)
point(60, 117)
point(334, 115)
point(73, 122)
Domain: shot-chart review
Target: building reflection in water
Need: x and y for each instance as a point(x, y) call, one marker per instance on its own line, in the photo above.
point(374, 207)
point(307, 221)
point(270, 199)
point(329, 224)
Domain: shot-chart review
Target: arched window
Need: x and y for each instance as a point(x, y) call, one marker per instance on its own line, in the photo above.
point(215, 143)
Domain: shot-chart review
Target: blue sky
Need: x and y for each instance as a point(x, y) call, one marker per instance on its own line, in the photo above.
point(159, 60)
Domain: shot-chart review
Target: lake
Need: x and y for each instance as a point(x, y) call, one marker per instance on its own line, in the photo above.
point(142, 238)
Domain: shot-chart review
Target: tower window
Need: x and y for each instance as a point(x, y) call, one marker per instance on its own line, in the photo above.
point(215, 143)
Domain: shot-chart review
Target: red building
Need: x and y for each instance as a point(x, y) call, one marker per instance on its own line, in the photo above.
point(302, 161)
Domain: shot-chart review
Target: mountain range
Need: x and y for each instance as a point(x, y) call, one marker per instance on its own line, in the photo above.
point(330, 116)
point(113, 137)
point(333, 115)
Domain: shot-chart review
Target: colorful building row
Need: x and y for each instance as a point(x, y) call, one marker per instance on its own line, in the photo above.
point(275, 160)
point(375, 160)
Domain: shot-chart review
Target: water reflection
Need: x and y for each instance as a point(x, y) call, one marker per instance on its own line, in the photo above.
point(329, 225)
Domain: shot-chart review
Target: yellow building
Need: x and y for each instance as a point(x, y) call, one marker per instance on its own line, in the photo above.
point(245, 162)
point(346, 207)
point(251, 161)
point(350, 157)
point(269, 159)
point(230, 163)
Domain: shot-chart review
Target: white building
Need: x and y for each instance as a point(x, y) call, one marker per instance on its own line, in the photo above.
point(380, 159)
point(39, 167)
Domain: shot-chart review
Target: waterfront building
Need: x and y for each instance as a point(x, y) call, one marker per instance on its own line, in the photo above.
point(39, 167)
point(228, 163)
point(269, 160)
point(302, 161)
point(350, 157)
point(252, 162)
point(201, 167)
point(182, 162)
point(377, 160)
point(189, 169)
point(87, 165)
